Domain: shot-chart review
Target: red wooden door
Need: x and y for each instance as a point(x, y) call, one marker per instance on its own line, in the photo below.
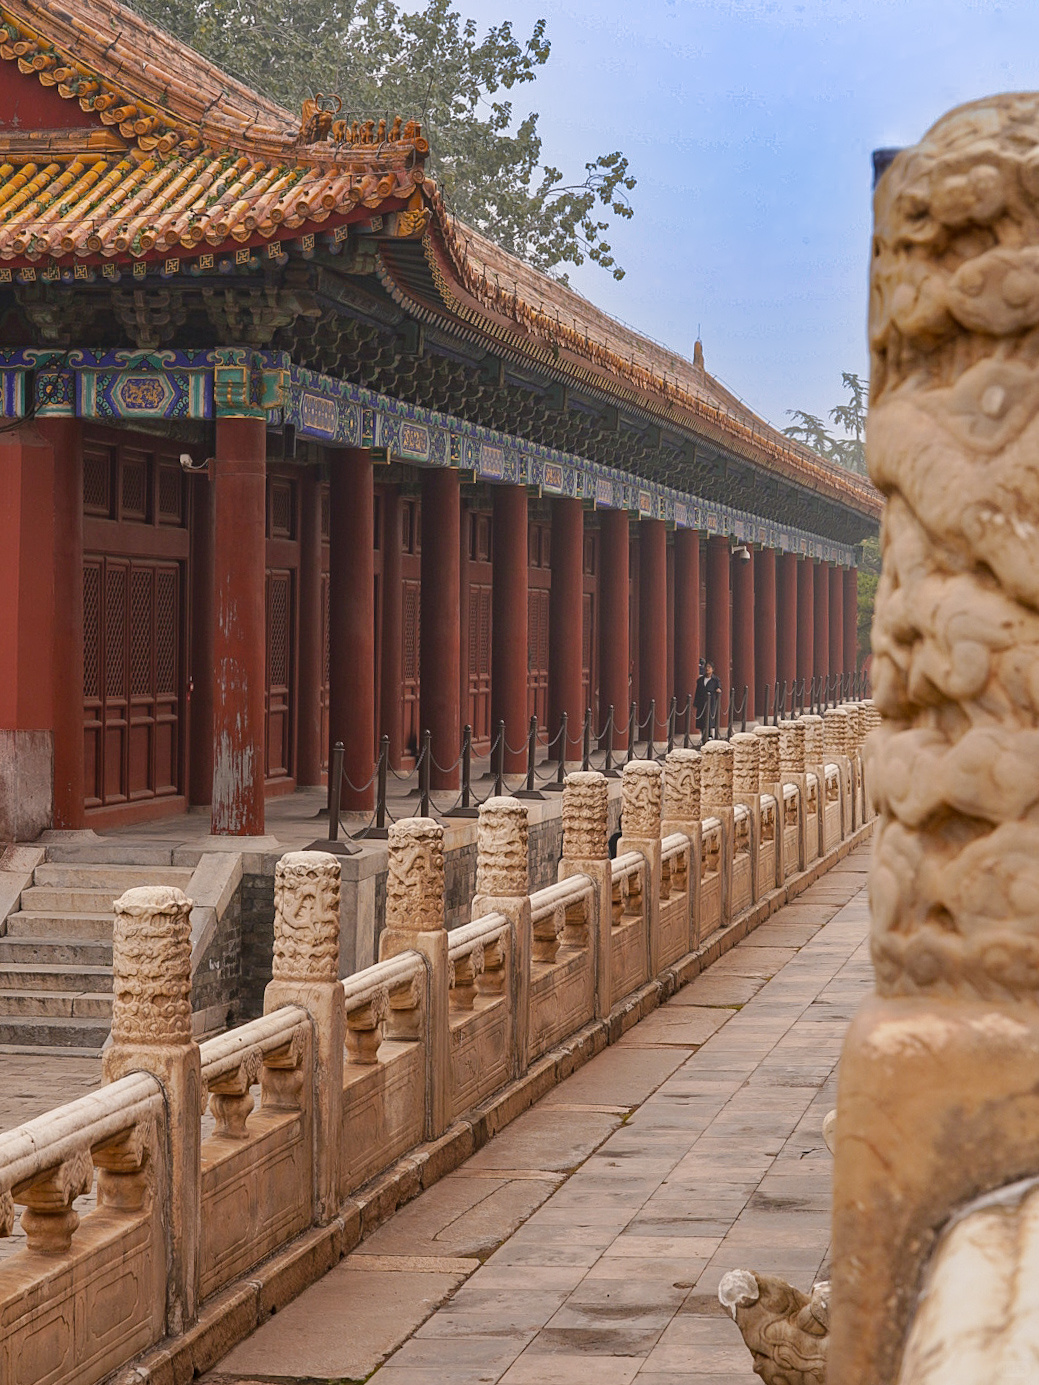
point(132, 629)
point(410, 618)
point(537, 655)
point(280, 647)
point(588, 654)
point(480, 665)
point(323, 700)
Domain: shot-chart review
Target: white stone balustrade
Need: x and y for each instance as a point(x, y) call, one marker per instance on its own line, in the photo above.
point(339, 1079)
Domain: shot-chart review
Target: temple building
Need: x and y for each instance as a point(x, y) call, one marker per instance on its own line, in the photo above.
point(289, 455)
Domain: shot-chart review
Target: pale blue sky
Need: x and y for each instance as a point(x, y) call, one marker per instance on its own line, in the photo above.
point(749, 124)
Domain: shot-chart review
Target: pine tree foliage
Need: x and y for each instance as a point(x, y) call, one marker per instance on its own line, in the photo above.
point(434, 66)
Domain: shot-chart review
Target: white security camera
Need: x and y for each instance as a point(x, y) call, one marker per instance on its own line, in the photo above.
point(187, 463)
point(742, 552)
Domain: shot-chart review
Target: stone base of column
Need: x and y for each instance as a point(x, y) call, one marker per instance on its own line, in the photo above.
point(26, 784)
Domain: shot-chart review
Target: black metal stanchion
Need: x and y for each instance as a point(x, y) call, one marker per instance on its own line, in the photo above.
point(633, 730)
point(379, 831)
point(688, 716)
point(332, 842)
point(743, 709)
point(672, 714)
point(586, 741)
point(499, 762)
point(608, 769)
point(529, 791)
point(651, 724)
point(728, 716)
point(465, 807)
point(557, 785)
point(425, 758)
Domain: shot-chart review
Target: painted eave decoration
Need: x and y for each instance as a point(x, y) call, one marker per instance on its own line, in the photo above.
point(167, 164)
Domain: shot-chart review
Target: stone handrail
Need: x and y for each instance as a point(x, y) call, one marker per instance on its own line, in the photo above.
point(415, 1059)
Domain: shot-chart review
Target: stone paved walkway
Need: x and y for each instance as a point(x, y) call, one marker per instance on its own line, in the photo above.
point(585, 1243)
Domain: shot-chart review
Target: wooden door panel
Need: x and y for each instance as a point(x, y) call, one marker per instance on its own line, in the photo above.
point(411, 618)
point(279, 673)
point(480, 665)
point(537, 656)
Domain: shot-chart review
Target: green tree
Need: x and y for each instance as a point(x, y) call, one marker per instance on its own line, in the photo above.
point(848, 449)
point(869, 576)
point(433, 66)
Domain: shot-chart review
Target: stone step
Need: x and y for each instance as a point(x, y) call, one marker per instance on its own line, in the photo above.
point(46, 976)
point(110, 878)
point(85, 1005)
point(34, 1031)
point(44, 925)
point(55, 951)
point(116, 854)
point(51, 899)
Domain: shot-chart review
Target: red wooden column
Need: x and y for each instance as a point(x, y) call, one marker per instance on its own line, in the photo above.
point(805, 622)
point(821, 637)
point(27, 629)
point(687, 614)
point(653, 623)
point(65, 436)
point(565, 619)
point(440, 632)
point(311, 643)
point(743, 667)
point(239, 626)
point(351, 620)
point(786, 621)
point(509, 622)
point(390, 708)
point(836, 619)
point(614, 656)
point(200, 662)
point(765, 629)
point(718, 648)
point(851, 619)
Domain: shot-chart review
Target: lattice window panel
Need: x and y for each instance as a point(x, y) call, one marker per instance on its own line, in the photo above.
point(282, 508)
point(326, 588)
point(166, 626)
point(278, 633)
point(133, 488)
point(97, 483)
point(587, 628)
point(141, 632)
point(590, 555)
point(115, 631)
point(326, 513)
point(484, 630)
point(92, 631)
point(171, 502)
point(411, 631)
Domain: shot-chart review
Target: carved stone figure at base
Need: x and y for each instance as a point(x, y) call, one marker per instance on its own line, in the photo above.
point(784, 1329)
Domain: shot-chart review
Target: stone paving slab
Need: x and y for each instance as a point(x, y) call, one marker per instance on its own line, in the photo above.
point(596, 1227)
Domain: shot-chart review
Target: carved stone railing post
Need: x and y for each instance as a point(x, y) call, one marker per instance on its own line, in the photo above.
point(503, 887)
point(772, 783)
point(415, 922)
point(853, 749)
point(642, 787)
point(716, 801)
point(151, 1032)
point(305, 972)
point(746, 789)
point(681, 813)
point(586, 851)
point(792, 771)
point(835, 751)
point(937, 1100)
point(815, 759)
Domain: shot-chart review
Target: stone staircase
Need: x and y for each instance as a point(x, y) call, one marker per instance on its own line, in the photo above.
point(56, 955)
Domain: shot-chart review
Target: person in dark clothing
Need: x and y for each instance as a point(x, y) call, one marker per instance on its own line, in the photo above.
point(706, 687)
